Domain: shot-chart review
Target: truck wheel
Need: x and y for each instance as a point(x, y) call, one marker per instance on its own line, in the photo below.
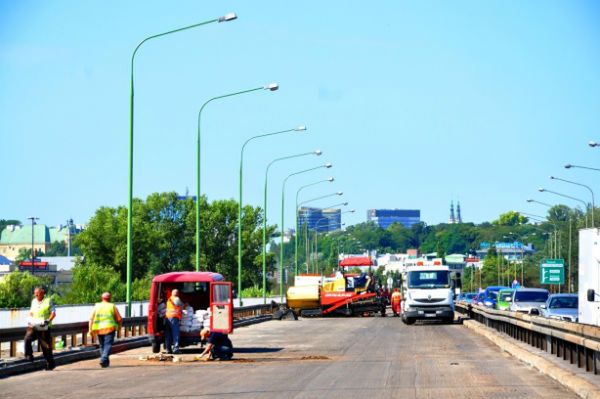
point(155, 347)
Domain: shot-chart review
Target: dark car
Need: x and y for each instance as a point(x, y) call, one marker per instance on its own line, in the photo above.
point(490, 295)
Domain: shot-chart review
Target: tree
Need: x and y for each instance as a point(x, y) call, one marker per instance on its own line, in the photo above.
point(8, 222)
point(510, 218)
point(16, 289)
point(90, 281)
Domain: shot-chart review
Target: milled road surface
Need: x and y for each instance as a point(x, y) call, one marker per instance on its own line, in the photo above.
point(310, 358)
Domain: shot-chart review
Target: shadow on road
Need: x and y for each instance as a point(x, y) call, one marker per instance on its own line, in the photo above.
point(256, 350)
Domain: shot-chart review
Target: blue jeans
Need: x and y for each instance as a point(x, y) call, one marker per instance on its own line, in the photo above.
point(172, 334)
point(222, 352)
point(106, 342)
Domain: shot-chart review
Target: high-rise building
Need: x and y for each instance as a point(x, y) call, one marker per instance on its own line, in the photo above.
point(385, 217)
point(319, 219)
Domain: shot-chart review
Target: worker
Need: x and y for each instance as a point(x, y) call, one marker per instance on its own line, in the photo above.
point(370, 286)
point(218, 345)
point(41, 314)
point(104, 321)
point(396, 300)
point(173, 319)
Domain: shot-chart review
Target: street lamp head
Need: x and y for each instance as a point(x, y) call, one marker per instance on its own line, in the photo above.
point(339, 193)
point(301, 128)
point(530, 200)
point(541, 190)
point(318, 152)
point(345, 204)
point(271, 87)
point(593, 144)
point(328, 165)
point(352, 210)
point(331, 179)
point(568, 166)
point(551, 177)
point(228, 17)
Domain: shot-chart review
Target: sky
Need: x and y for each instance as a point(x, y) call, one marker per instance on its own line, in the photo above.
point(415, 104)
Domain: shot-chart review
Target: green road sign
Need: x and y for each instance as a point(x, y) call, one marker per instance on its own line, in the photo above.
point(552, 271)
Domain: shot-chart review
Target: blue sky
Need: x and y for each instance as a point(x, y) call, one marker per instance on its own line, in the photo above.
point(415, 103)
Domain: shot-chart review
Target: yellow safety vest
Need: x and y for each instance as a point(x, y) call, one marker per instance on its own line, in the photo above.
point(41, 310)
point(104, 316)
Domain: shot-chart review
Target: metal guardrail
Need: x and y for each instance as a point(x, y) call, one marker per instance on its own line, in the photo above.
point(573, 342)
point(78, 335)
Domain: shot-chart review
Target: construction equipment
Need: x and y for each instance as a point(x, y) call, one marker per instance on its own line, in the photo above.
point(347, 294)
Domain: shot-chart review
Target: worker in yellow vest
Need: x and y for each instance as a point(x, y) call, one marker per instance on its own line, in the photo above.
point(173, 319)
point(41, 314)
point(104, 321)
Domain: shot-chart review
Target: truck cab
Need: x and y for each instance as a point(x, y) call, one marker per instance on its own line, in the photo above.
point(208, 304)
point(427, 292)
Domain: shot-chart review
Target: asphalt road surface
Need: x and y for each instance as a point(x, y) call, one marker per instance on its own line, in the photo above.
point(309, 358)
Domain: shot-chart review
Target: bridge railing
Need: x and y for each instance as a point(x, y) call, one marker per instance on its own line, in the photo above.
point(576, 343)
point(77, 334)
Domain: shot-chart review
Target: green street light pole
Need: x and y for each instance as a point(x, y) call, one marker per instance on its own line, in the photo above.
point(296, 129)
point(330, 180)
point(581, 185)
point(269, 87)
point(225, 18)
point(327, 165)
point(542, 190)
point(264, 246)
point(317, 233)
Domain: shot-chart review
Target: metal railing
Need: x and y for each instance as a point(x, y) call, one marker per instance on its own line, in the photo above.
point(576, 343)
point(77, 334)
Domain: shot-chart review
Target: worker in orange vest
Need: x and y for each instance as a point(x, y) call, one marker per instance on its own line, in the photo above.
point(396, 299)
point(173, 319)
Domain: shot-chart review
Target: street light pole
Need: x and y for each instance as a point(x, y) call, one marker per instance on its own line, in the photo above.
point(327, 165)
point(240, 205)
point(33, 219)
point(317, 233)
point(541, 190)
point(581, 185)
point(269, 87)
point(264, 246)
point(225, 18)
point(330, 180)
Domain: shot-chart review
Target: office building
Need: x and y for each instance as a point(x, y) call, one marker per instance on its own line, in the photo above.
point(385, 217)
point(319, 219)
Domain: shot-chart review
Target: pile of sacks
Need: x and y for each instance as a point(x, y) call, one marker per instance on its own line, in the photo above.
point(194, 321)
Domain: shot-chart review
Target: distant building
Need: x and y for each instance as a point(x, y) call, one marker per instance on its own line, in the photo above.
point(319, 219)
point(14, 238)
point(511, 251)
point(385, 217)
point(58, 268)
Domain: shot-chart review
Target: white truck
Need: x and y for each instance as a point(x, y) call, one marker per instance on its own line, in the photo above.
point(589, 276)
point(427, 293)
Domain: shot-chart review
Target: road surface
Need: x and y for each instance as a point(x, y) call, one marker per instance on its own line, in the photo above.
point(310, 358)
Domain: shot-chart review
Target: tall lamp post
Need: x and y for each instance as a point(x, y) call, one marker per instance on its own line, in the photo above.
point(581, 185)
point(225, 18)
point(327, 165)
point(269, 87)
point(296, 129)
point(317, 232)
point(330, 180)
point(264, 246)
point(542, 190)
point(33, 219)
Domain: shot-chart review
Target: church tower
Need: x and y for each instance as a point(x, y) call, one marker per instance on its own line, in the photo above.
point(452, 219)
point(458, 216)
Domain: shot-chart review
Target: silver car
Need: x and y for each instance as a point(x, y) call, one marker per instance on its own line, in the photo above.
point(525, 299)
point(561, 307)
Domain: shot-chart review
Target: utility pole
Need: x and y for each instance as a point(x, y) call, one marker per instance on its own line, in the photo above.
point(33, 219)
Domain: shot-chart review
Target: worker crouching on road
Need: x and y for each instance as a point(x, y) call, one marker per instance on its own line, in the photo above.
point(218, 345)
point(396, 300)
point(41, 314)
point(173, 319)
point(104, 321)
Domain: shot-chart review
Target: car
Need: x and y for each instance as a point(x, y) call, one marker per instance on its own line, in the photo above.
point(478, 299)
point(561, 307)
point(490, 295)
point(468, 298)
point(504, 298)
point(525, 299)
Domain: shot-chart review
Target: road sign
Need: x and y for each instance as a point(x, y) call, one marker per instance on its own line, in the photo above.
point(552, 271)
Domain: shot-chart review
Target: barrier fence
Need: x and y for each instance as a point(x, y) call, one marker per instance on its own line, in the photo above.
point(77, 334)
point(576, 343)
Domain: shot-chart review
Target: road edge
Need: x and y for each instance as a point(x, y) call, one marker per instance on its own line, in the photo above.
point(567, 378)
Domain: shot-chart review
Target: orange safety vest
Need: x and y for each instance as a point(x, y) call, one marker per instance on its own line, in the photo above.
point(173, 311)
point(396, 297)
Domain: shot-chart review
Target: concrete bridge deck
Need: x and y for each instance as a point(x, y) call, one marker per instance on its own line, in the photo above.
point(310, 358)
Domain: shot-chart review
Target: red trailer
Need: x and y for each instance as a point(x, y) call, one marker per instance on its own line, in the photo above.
point(203, 291)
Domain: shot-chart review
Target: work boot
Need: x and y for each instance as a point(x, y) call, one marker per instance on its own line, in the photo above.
point(29, 358)
point(50, 366)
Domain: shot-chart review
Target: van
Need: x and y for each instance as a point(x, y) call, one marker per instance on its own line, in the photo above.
point(208, 303)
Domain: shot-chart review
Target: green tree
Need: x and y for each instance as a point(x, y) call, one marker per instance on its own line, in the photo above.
point(510, 218)
point(16, 289)
point(90, 281)
point(7, 222)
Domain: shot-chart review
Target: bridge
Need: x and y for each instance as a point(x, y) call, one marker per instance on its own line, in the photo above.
point(379, 357)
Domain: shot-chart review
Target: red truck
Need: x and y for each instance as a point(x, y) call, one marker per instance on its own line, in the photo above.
point(207, 296)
